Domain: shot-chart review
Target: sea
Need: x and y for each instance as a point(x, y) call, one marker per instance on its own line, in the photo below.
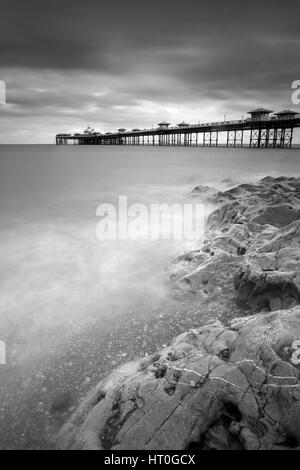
point(64, 291)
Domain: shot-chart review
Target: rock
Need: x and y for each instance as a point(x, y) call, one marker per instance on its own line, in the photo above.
point(206, 193)
point(255, 240)
point(62, 402)
point(225, 388)
point(278, 216)
point(259, 289)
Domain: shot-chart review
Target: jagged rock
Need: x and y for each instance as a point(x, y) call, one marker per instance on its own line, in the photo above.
point(215, 387)
point(260, 289)
point(278, 190)
point(250, 255)
point(205, 192)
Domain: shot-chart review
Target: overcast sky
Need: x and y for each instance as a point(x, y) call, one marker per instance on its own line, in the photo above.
point(69, 63)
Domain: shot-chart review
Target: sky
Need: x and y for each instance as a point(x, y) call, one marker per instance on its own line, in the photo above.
point(108, 64)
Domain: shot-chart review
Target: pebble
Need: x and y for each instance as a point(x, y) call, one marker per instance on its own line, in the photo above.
point(61, 402)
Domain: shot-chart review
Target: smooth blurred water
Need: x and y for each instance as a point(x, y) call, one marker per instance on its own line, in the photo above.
point(56, 278)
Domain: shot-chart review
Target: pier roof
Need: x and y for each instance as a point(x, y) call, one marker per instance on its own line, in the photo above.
point(260, 111)
point(287, 112)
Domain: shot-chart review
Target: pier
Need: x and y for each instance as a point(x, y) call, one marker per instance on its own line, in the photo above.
point(262, 129)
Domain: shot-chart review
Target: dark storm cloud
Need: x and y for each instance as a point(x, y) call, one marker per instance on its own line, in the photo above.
point(106, 35)
point(79, 58)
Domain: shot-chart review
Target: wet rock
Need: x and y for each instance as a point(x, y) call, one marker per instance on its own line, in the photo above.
point(278, 216)
point(257, 289)
point(202, 400)
point(242, 250)
point(255, 238)
point(206, 193)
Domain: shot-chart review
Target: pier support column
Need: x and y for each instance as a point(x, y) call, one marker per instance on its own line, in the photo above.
point(267, 136)
point(238, 138)
point(291, 137)
point(259, 139)
point(287, 138)
point(231, 138)
point(206, 139)
point(254, 138)
point(273, 138)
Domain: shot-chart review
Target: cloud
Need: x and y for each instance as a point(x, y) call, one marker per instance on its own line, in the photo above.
point(124, 63)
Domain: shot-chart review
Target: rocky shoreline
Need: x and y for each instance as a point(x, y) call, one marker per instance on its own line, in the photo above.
point(231, 384)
